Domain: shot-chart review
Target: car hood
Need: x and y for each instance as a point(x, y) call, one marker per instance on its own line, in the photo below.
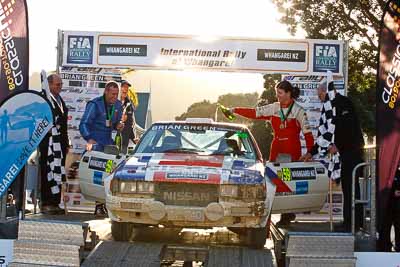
point(191, 168)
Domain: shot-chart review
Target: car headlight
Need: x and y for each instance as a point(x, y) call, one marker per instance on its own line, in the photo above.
point(252, 192)
point(127, 187)
point(229, 190)
point(131, 187)
point(144, 187)
point(246, 192)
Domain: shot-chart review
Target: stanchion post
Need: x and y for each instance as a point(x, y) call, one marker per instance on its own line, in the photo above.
point(330, 205)
point(3, 207)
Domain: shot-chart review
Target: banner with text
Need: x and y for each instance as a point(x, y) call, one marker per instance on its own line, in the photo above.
point(178, 52)
point(14, 47)
point(25, 119)
point(388, 109)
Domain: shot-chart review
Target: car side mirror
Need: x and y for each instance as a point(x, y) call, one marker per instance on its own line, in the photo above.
point(111, 149)
point(283, 158)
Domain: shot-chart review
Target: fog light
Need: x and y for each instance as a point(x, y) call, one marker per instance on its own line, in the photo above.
point(157, 211)
point(214, 211)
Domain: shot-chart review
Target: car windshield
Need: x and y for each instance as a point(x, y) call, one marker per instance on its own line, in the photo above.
point(197, 139)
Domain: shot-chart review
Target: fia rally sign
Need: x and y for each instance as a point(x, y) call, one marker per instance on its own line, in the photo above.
point(178, 52)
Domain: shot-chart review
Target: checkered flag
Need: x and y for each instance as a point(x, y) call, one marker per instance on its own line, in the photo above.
point(55, 169)
point(326, 131)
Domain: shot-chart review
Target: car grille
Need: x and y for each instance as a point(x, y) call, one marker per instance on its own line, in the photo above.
point(184, 194)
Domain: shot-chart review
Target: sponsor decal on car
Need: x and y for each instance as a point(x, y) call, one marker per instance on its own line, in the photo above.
point(281, 187)
point(98, 178)
point(290, 174)
point(187, 175)
point(100, 164)
point(302, 188)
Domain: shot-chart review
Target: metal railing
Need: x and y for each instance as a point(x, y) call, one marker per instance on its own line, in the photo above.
point(367, 195)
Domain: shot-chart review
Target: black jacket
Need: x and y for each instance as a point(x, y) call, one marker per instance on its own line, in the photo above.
point(348, 134)
point(62, 121)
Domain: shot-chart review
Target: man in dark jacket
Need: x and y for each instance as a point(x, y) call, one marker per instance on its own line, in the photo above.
point(50, 201)
point(128, 117)
point(349, 142)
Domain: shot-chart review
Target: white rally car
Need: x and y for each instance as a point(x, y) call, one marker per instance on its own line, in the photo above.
point(199, 173)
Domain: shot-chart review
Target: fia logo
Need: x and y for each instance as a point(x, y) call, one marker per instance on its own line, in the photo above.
point(80, 49)
point(80, 42)
point(326, 57)
point(325, 51)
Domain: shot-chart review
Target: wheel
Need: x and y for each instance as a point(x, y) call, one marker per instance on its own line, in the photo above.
point(121, 231)
point(256, 237)
point(286, 218)
point(268, 226)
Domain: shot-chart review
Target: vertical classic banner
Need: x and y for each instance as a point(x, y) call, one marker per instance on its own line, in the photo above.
point(14, 47)
point(388, 110)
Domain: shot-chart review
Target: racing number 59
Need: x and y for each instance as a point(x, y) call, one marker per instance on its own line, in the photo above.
point(286, 174)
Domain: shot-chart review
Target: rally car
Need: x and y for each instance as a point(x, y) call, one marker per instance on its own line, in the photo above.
point(198, 173)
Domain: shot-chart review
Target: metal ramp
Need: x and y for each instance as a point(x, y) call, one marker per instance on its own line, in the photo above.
point(240, 257)
point(47, 243)
point(320, 250)
point(111, 253)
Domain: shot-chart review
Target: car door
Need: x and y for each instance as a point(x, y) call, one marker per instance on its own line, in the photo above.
point(301, 186)
point(94, 167)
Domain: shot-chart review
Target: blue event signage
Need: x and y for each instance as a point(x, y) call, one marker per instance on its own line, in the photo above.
point(326, 57)
point(25, 119)
point(80, 49)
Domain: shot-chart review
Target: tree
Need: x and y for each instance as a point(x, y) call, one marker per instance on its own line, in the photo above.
point(356, 21)
point(206, 109)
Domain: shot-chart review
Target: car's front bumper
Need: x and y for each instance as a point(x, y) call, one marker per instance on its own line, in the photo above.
point(152, 212)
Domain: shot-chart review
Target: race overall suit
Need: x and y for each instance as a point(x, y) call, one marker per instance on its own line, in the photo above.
point(94, 122)
point(287, 123)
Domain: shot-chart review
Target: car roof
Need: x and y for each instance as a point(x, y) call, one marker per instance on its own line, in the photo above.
point(216, 124)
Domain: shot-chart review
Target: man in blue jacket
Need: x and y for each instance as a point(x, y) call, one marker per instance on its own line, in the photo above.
point(102, 117)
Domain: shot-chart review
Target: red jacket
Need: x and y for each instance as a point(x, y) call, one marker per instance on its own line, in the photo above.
point(286, 134)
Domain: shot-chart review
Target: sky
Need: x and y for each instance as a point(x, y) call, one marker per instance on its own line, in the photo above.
point(250, 18)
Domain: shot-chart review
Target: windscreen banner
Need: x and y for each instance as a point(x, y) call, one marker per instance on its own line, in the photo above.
point(14, 47)
point(387, 108)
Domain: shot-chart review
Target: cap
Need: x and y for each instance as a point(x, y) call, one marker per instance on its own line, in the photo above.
point(125, 82)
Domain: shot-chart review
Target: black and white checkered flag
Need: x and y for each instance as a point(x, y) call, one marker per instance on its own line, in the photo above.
point(55, 169)
point(326, 131)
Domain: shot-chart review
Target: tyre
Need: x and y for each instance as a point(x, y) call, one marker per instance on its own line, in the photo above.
point(121, 231)
point(256, 237)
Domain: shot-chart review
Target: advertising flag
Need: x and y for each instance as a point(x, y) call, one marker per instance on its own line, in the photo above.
point(14, 47)
point(25, 119)
point(387, 108)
